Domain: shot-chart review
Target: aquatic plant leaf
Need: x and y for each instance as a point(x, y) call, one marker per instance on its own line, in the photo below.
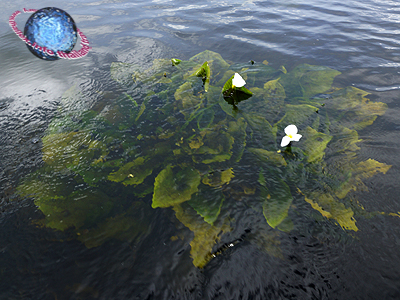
point(122, 72)
point(331, 208)
point(205, 119)
point(82, 208)
point(98, 171)
point(315, 144)
point(207, 203)
point(228, 108)
point(215, 61)
point(271, 157)
point(217, 158)
point(305, 81)
point(226, 80)
point(263, 132)
point(132, 173)
point(274, 97)
point(175, 61)
point(196, 143)
point(155, 74)
point(277, 201)
point(238, 132)
point(73, 149)
point(208, 55)
point(218, 178)
point(205, 73)
point(362, 170)
point(81, 120)
point(61, 205)
point(283, 69)
point(344, 143)
point(297, 115)
point(43, 186)
point(216, 146)
point(234, 95)
point(205, 235)
point(267, 102)
point(141, 111)
point(165, 79)
point(186, 102)
point(273, 89)
point(175, 185)
point(358, 111)
point(228, 84)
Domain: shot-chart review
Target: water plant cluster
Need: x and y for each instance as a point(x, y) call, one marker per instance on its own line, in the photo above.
point(182, 136)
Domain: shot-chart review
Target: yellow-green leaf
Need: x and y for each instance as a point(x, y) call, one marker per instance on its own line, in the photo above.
point(174, 186)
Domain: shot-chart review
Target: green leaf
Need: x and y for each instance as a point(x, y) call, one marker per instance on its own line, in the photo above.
point(267, 102)
point(234, 95)
point(72, 150)
point(278, 200)
point(205, 73)
point(212, 145)
point(186, 102)
point(175, 61)
point(315, 144)
point(62, 204)
point(331, 208)
point(271, 157)
point(228, 86)
point(205, 235)
point(237, 129)
point(274, 89)
point(361, 171)
point(263, 132)
point(218, 178)
point(175, 185)
point(132, 173)
point(207, 203)
point(356, 111)
point(305, 81)
point(215, 60)
point(297, 115)
point(141, 111)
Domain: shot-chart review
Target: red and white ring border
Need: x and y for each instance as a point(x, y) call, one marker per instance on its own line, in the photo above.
point(72, 55)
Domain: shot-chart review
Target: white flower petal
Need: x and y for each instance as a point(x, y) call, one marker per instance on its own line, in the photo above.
point(285, 141)
point(291, 130)
point(296, 137)
point(238, 81)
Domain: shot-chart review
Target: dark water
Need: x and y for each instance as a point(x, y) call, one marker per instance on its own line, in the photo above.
point(319, 260)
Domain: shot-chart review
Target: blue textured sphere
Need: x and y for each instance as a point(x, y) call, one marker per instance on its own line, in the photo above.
point(52, 28)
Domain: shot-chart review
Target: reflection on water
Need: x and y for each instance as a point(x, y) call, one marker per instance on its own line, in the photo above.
point(145, 253)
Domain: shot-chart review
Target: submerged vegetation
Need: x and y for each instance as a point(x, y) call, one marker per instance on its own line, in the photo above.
point(183, 136)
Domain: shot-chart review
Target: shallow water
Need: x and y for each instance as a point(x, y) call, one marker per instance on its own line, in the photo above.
point(319, 259)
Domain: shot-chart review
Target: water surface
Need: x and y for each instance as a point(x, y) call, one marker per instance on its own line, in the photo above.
point(319, 259)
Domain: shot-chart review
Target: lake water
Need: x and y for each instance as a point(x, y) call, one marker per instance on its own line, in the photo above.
point(319, 255)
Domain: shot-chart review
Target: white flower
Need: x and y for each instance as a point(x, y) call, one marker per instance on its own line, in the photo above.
point(291, 135)
point(238, 81)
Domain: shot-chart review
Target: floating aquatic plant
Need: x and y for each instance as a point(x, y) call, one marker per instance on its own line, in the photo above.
point(188, 136)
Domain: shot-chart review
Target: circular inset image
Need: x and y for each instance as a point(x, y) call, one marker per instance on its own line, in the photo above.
point(52, 28)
